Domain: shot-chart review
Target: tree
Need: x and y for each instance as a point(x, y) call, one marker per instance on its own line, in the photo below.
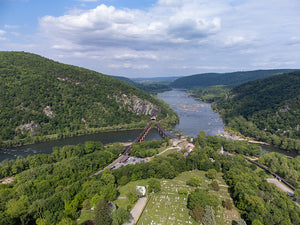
point(194, 181)
point(197, 213)
point(202, 198)
point(227, 204)
point(211, 174)
point(102, 213)
point(256, 222)
point(15, 208)
point(154, 185)
point(215, 185)
point(297, 193)
point(120, 216)
point(67, 221)
point(132, 195)
point(123, 180)
point(108, 178)
point(40, 221)
point(209, 216)
point(183, 191)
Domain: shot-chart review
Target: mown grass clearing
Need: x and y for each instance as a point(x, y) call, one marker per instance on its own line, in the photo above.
point(85, 216)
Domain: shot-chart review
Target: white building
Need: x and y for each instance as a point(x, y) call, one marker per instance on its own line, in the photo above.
point(141, 190)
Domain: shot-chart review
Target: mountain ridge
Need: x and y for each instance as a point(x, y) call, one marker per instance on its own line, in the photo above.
point(41, 97)
point(230, 79)
point(266, 109)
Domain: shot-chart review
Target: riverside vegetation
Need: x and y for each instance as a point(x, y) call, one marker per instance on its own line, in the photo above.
point(267, 110)
point(57, 188)
point(42, 100)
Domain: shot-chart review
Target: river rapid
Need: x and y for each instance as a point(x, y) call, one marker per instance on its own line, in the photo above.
point(194, 116)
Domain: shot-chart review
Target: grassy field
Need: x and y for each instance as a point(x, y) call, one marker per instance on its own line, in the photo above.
point(85, 216)
point(168, 207)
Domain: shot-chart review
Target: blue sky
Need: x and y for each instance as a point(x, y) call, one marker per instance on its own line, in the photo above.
point(156, 38)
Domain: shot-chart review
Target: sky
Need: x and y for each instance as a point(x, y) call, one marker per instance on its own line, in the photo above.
point(156, 38)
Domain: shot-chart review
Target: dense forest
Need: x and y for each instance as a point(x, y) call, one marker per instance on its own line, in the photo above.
point(230, 79)
point(209, 94)
point(53, 189)
point(268, 110)
point(289, 169)
point(41, 99)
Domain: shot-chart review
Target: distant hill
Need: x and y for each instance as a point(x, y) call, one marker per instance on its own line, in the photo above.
point(43, 98)
point(160, 80)
point(268, 110)
point(124, 79)
point(229, 79)
point(149, 87)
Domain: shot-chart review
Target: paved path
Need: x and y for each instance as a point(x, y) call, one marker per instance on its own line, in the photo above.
point(280, 185)
point(137, 210)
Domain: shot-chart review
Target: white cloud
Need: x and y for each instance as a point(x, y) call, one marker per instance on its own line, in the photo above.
point(11, 26)
point(172, 3)
point(2, 32)
point(232, 40)
point(136, 56)
point(136, 29)
point(176, 36)
point(129, 66)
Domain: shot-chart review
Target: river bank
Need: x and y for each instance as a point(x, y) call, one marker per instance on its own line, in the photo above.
point(54, 137)
point(194, 117)
point(236, 137)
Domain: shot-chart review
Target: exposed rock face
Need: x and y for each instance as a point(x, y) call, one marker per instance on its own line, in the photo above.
point(284, 109)
point(29, 127)
point(48, 112)
point(138, 105)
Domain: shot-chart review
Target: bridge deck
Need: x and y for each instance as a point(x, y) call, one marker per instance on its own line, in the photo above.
point(139, 139)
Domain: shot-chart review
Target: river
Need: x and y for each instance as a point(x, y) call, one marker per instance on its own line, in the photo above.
point(105, 138)
point(194, 116)
point(197, 115)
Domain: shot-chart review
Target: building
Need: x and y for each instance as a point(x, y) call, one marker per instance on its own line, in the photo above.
point(141, 190)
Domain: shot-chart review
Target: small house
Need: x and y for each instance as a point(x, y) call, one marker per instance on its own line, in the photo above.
point(141, 190)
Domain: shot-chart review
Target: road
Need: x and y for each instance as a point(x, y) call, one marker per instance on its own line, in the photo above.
point(280, 185)
point(110, 165)
point(137, 210)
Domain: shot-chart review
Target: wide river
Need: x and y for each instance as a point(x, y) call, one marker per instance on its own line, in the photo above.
point(194, 116)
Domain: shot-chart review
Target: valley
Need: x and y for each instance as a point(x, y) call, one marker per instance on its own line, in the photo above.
point(192, 176)
point(149, 112)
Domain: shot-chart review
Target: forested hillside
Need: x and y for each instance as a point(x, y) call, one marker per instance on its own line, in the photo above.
point(57, 188)
point(41, 98)
point(268, 110)
point(230, 79)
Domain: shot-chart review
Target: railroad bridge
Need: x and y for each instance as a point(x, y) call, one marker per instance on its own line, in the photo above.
point(144, 133)
point(139, 139)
